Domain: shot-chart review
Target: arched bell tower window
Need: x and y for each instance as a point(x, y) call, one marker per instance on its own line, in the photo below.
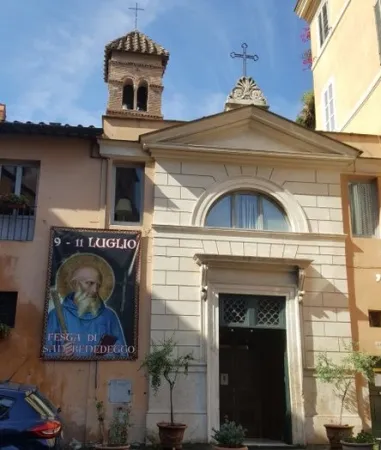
point(142, 96)
point(247, 210)
point(128, 95)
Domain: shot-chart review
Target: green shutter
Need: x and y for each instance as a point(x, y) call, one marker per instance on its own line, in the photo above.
point(321, 38)
point(377, 12)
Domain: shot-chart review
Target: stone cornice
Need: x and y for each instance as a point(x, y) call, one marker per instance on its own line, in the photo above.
point(306, 9)
point(263, 120)
point(181, 230)
point(130, 113)
point(282, 264)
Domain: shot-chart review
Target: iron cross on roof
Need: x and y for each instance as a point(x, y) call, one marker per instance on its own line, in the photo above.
point(244, 57)
point(136, 9)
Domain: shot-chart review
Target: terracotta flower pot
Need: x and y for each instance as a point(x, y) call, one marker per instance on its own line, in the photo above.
point(13, 205)
point(171, 436)
point(357, 445)
point(336, 433)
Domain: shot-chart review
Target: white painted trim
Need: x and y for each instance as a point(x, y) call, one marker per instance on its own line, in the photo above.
point(331, 81)
point(365, 97)
point(319, 10)
point(123, 152)
point(179, 231)
point(295, 213)
point(294, 353)
point(333, 29)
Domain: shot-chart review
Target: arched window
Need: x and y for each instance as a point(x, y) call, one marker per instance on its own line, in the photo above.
point(128, 95)
point(248, 210)
point(142, 97)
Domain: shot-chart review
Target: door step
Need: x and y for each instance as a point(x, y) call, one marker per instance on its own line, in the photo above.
point(273, 446)
point(265, 445)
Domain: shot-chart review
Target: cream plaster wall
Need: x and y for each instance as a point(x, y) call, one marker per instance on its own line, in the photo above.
point(176, 303)
point(350, 58)
point(179, 185)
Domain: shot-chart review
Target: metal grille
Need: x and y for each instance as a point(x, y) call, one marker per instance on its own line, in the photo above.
point(269, 312)
point(235, 310)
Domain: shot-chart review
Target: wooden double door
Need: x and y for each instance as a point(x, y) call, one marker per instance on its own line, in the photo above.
point(254, 389)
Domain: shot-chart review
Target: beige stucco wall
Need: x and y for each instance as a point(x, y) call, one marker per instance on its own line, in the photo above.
point(129, 129)
point(72, 192)
point(350, 58)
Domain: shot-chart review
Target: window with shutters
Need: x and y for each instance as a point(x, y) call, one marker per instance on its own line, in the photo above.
point(329, 108)
point(377, 13)
point(364, 208)
point(323, 23)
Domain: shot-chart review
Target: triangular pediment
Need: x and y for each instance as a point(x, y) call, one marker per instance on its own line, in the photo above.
point(249, 131)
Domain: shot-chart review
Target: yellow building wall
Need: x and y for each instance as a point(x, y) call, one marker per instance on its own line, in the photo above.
point(350, 57)
point(368, 117)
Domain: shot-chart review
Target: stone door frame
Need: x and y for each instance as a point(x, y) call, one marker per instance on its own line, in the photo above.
point(294, 350)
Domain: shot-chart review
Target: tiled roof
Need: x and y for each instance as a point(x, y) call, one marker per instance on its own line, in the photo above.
point(50, 129)
point(135, 42)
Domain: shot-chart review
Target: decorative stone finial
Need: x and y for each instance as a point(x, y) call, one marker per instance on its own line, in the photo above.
point(246, 92)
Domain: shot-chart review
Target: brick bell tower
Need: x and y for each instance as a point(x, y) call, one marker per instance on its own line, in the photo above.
point(134, 67)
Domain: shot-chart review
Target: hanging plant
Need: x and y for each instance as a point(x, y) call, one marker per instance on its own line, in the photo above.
point(14, 201)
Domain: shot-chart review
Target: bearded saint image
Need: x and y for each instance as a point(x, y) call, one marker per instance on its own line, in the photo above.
point(87, 320)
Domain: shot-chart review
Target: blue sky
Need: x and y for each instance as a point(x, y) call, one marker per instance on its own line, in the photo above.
point(52, 54)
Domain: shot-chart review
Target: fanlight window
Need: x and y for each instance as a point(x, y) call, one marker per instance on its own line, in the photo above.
point(248, 210)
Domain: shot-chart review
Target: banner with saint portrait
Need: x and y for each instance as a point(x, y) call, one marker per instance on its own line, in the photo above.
point(91, 303)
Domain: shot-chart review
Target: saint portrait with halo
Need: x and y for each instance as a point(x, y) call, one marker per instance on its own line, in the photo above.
point(80, 324)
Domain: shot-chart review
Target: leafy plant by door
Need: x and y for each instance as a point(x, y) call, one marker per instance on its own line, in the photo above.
point(341, 374)
point(5, 331)
point(161, 363)
point(230, 435)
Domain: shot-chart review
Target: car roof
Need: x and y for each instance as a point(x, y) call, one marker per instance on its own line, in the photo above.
point(11, 386)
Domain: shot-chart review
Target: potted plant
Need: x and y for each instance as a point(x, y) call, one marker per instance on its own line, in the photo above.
point(161, 363)
point(363, 441)
point(117, 436)
point(13, 201)
point(341, 375)
point(229, 436)
point(5, 330)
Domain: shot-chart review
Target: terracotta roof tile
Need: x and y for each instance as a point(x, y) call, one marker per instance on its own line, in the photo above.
point(135, 42)
point(50, 129)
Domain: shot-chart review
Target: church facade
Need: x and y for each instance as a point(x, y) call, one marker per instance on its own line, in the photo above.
point(248, 262)
point(242, 258)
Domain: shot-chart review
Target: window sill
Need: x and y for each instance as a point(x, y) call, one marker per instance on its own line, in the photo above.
point(126, 224)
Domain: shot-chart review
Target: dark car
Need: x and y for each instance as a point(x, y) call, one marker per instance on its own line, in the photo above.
point(28, 420)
